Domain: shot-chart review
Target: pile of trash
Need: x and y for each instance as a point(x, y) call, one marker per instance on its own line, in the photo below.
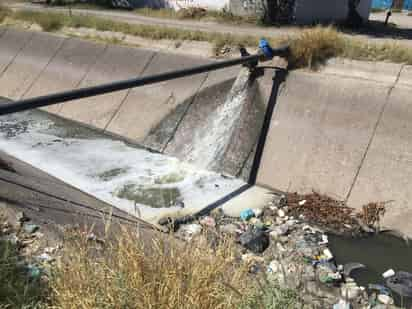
point(34, 254)
point(281, 242)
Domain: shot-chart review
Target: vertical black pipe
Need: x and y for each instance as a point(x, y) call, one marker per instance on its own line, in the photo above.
point(278, 78)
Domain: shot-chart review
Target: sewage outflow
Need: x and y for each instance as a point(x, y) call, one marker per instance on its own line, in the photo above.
point(121, 174)
point(211, 140)
point(134, 179)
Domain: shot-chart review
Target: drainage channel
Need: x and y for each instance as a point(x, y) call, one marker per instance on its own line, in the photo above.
point(146, 184)
point(378, 253)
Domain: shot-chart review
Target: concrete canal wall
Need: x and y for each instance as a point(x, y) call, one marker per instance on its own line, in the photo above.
point(344, 131)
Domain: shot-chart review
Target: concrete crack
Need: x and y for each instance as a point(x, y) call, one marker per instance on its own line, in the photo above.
point(17, 54)
point(152, 56)
point(375, 128)
point(43, 69)
point(184, 113)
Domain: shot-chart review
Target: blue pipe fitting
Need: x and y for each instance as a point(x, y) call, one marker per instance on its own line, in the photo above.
point(266, 49)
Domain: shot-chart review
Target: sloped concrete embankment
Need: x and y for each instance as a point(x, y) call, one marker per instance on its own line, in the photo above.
point(163, 117)
point(345, 131)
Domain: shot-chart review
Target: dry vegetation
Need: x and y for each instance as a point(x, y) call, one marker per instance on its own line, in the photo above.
point(125, 275)
point(310, 48)
point(127, 272)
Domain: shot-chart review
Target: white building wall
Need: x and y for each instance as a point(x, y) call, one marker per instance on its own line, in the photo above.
point(207, 4)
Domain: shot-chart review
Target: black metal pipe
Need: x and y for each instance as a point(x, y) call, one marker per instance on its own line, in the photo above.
point(31, 103)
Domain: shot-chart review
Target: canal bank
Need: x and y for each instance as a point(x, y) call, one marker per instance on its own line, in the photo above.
point(351, 141)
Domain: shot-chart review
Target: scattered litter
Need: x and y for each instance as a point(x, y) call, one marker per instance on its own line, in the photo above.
point(380, 288)
point(30, 228)
point(302, 202)
point(324, 240)
point(401, 283)
point(280, 230)
point(252, 258)
point(33, 271)
point(350, 292)
point(328, 254)
point(388, 273)
point(208, 221)
point(255, 240)
point(342, 304)
point(44, 257)
point(258, 212)
point(246, 214)
point(257, 223)
point(349, 267)
point(281, 213)
point(190, 230)
point(231, 228)
point(280, 247)
point(21, 217)
point(385, 299)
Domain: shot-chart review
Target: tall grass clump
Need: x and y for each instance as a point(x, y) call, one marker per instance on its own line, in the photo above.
point(128, 274)
point(48, 21)
point(314, 46)
point(4, 12)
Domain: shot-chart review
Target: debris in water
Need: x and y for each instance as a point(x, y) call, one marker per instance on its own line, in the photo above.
point(388, 273)
point(401, 283)
point(349, 267)
point(385, 299)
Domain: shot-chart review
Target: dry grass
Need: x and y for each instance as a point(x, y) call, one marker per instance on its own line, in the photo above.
point(310, 48)
point(130, 275)
point(313, 46)
point(4, 12)
point(48, 22)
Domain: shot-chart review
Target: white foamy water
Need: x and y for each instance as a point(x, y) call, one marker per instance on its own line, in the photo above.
point(212, 140)
point(102, 167)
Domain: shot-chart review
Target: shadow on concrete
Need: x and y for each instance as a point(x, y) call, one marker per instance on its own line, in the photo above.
point(378, 29)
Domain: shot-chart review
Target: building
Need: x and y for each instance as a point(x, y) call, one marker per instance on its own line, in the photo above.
point(296, 11)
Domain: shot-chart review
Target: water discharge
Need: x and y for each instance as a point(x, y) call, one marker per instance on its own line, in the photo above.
point(123, 175)
point(212, 139)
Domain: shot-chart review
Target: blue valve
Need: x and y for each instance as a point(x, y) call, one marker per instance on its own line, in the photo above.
point(266, 49)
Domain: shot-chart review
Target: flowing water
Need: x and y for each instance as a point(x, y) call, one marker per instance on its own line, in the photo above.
point(131, 178)
point(212, 139)
point(121, 174)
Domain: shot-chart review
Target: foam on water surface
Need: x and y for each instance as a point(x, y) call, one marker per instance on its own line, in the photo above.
point(123, 175)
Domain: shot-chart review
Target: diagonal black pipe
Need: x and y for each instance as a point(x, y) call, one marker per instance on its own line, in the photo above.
point(31, 103)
